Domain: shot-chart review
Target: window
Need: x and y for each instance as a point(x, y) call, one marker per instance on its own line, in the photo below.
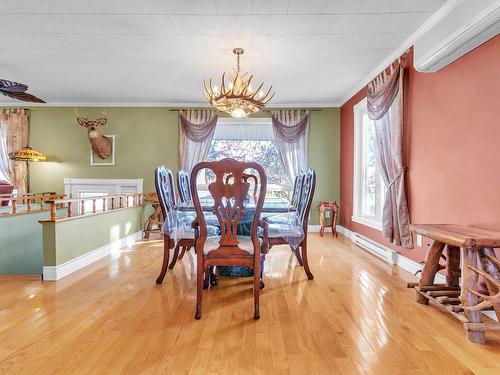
point(368, 189)
point(250, 139)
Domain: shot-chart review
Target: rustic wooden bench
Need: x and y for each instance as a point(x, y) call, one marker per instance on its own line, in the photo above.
point(469, 254)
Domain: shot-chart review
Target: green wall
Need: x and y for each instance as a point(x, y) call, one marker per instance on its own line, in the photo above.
point(324, 157)
point(145, 138)
point(21, 244)
point(68, 239)
point(148, 137)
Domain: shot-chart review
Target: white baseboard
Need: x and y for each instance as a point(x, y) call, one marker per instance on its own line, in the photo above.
point(313, 228)
point(53, 273)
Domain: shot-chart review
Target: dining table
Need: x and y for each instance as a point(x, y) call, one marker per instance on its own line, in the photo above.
point(179, 221)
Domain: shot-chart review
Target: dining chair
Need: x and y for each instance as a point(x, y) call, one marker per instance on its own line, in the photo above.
point(297, 187)
point(183, 186)
point(229, 248)
point(284, 233)
point(246, 177)
point(164, 184)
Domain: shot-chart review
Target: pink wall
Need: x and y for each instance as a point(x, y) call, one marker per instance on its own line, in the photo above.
point(453, 145)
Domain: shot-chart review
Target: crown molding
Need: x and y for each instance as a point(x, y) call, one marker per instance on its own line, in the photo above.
point(159, 105)
point(410, 41)
point(107, 104)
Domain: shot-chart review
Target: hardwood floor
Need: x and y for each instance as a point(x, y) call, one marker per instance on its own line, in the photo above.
point(355, 317)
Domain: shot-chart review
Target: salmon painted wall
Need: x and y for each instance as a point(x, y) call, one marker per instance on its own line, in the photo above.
point(452, 146)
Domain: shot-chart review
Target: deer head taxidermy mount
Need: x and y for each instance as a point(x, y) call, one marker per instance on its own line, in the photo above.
point(101, 145)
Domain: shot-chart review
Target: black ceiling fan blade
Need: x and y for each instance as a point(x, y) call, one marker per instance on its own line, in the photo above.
point(24, 96)
point(12, 86)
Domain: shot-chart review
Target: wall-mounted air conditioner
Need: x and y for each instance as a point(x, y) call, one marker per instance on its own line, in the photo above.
point(466, 25)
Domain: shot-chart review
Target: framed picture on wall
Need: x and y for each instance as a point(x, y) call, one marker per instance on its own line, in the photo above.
point(95, 160)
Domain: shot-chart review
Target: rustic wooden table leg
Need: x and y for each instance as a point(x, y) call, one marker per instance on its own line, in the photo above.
point(470, 282)
point(452, 265)
point(431, 267)
point(487, 258)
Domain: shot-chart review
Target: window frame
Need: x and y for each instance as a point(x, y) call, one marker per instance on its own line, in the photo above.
point(242, 124)
point(359, 110)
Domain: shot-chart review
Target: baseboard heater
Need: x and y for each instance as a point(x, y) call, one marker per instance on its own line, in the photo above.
point(382, 252)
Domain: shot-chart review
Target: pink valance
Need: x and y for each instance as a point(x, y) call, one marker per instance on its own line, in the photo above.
point(198, 126)
point(289, 133)
point(383, 90)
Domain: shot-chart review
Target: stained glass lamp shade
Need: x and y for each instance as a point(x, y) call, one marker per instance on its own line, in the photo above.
point(27, 154)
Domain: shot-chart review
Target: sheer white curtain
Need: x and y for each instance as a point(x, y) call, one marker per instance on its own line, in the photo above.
point(197, 132)
point(291, 132)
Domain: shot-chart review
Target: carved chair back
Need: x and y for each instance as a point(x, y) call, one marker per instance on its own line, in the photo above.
point(306, 197)
point(164, 184)
point(229, 191)
point(297, 187)
point(246, 177)
point(183, 186)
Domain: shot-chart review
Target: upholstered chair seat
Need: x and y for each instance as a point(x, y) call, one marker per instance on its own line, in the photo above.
point(284, 230)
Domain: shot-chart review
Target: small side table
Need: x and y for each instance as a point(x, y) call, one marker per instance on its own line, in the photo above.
point(326, 210)
point(469, 254)
point(155, 219)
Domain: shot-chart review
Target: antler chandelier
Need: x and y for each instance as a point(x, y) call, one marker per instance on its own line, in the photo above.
point(237, 97)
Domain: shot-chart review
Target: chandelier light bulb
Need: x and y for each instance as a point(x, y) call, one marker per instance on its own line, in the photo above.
point(238, 112)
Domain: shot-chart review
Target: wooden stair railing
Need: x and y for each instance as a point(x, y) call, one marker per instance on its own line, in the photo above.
point(23, 203)
point(117, 202)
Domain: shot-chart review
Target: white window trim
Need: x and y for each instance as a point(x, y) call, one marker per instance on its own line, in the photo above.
point(357, 160)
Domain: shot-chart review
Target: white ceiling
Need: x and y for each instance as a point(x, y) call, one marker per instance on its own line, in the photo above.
point(151, 52)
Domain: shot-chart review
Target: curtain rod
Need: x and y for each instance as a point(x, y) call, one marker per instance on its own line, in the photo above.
point(401, 57)
point(264, 110)
point(293, 109)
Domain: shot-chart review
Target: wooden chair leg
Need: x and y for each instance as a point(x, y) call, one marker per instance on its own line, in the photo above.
point(430, 269)
point(297, 255)
point(256, 288)
point(200, 271)
point(166, 256)
point(262, 260)
point(206, 278)
point(183, 250)
point(303, 247)
point(214, 280)
point(470, 282)
point(174, 258)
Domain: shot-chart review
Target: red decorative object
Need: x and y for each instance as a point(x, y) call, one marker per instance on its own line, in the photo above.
point(5, 189)
point(331, 207)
